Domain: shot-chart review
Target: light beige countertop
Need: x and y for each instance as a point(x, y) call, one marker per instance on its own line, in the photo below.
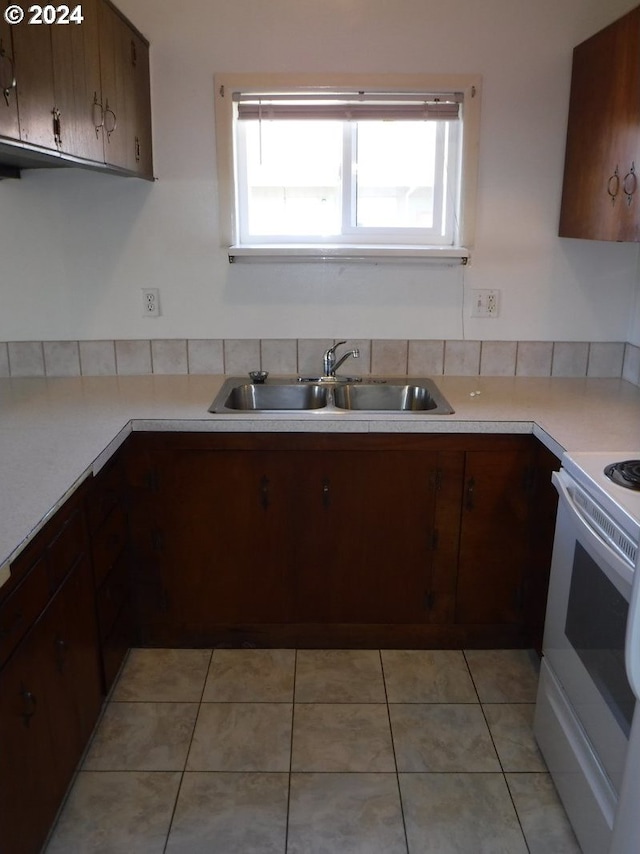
point(56, 432)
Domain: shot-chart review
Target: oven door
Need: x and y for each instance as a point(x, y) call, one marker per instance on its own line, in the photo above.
point(584, 640)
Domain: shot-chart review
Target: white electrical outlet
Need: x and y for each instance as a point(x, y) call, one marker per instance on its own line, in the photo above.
point(151, 302)
point(485, 302)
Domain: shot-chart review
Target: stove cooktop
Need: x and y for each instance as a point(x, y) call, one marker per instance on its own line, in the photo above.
point(588, 468)
point(625, 473)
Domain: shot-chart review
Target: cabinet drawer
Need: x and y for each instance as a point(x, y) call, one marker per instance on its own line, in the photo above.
point(108, 544)
point(111, 596)
point(22, 608)
point(105, 494)
point(67, 548)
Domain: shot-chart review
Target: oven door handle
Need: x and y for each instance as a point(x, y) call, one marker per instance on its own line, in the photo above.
point(607, 552)
point(632, 639)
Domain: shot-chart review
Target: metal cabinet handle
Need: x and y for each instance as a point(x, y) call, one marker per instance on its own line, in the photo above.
point(57, 127)
point(61, 647)
point(264, 492)
point(112, 124)
point(7, 81)
point(30, 704)
point(97, 107)
point(326, 492)
point(470, 494)
point(630, 183)
point(613, 185)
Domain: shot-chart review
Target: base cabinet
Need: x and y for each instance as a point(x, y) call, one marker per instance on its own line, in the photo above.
point(254, 539)
point(50, 684)
point(332, 540)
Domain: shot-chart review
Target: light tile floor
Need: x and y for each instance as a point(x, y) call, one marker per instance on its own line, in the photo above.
point(316, 752)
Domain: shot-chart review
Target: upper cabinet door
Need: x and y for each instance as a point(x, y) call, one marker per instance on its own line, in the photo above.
point(140, 94)
point(124, 66)
point(600, 199)
point(34, 75)
point(76, 71)
point(113, 72)
point(8, 103)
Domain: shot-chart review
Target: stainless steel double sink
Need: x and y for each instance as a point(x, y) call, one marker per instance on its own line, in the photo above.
point(374, 394)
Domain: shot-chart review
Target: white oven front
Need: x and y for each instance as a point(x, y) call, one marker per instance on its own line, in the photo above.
point(585, 705)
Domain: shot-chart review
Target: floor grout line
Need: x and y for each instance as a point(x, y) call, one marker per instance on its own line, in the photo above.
point(186, 756)
point(395, 758)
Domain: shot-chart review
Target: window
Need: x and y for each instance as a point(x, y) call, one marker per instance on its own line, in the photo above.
point(358, 170)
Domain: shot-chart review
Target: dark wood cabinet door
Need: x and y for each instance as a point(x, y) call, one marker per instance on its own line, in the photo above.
point(114, 63)
point(50, 698)
point(600, 199)
point(73, 680)
point(364, 541)
point(212, 541)
point(76, 72)
point(35, 88)
point(9, 126)
point(28, 782)
point(139, 92)
point(124, 65)
point(494, 536)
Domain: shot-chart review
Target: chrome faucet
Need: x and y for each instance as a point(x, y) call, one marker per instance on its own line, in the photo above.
point(329, 363)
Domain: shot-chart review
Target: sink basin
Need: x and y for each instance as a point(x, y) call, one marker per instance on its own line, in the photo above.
point(337, 397)
point(276, 397)
point(385, 398)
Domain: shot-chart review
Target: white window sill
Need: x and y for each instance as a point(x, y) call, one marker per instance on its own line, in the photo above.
point(344, 252)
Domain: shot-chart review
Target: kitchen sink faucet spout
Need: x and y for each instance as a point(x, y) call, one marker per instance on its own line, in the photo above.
point(329, 363)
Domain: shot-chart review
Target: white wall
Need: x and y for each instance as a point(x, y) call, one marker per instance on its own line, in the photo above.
point(76, 247)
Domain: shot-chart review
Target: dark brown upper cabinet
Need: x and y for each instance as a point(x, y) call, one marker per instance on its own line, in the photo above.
point(8, 102)
point(81, 94)
point(600, 198)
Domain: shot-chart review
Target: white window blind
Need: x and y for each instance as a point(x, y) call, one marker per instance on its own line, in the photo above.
point(359, 107)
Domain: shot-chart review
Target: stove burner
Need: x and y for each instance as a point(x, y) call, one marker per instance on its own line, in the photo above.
point(625, 473)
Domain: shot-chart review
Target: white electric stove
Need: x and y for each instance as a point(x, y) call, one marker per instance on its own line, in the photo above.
point(587, 723)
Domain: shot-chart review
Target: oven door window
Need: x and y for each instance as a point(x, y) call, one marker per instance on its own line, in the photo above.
point(595, 627)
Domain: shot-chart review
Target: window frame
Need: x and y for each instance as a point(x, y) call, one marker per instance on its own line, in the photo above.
point(227, 85)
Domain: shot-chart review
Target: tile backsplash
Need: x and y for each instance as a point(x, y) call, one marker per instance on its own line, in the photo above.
point(304, 356)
